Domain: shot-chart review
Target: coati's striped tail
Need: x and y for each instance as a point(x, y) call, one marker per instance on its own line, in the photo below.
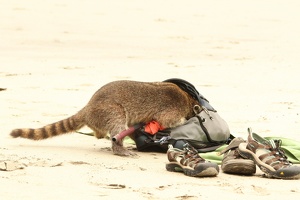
point(70, 124)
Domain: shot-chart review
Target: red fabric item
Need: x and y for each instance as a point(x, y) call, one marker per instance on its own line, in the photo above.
point(153, 127)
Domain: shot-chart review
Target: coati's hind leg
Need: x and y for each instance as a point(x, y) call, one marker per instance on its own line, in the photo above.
point(112, 121)
point(117, 145)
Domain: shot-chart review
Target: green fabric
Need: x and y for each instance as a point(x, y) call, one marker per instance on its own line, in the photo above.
point(290, 147)
point(213, 156)
point(86, 133)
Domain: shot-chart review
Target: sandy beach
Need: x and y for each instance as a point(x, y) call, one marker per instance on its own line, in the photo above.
point(243, 56)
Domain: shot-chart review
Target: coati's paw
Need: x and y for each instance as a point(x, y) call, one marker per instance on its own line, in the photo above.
point(122, 151)
point(126, 153)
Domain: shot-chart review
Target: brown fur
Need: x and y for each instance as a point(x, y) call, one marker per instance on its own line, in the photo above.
point(119, 105)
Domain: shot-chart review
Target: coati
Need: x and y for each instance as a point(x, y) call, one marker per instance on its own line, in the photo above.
point(119, 105)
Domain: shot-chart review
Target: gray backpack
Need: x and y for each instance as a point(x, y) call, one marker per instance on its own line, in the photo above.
point(206, 131)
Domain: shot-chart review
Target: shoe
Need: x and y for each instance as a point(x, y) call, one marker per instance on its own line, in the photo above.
point(233, 162)
point(269, 157)
point(189, 162)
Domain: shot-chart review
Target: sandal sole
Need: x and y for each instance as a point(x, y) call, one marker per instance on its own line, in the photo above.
point(206, 170)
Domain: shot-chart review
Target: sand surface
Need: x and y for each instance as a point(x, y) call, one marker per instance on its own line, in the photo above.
point(241, 55)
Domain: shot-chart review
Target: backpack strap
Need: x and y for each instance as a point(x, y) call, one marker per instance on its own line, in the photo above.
point(191, 90)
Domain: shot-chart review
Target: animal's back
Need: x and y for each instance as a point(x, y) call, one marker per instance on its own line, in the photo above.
point(143, 101)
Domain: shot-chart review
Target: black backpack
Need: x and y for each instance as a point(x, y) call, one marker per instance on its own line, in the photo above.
point(206, 131)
